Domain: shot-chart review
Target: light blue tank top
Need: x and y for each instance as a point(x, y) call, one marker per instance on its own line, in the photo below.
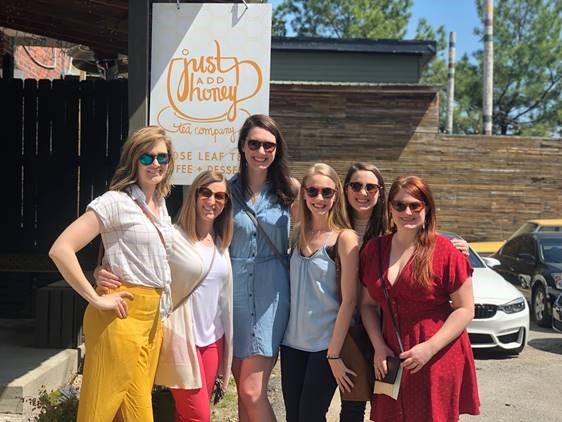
point(314, 301)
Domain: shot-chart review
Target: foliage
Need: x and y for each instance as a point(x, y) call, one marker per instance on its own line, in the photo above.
point(527, 71)
point(57, 406)
point(435, 72)
point(343, 18)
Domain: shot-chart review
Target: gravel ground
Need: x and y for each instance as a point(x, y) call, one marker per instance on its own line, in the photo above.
point(520, 388)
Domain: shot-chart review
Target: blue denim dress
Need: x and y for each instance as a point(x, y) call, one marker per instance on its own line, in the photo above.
point(261, 281)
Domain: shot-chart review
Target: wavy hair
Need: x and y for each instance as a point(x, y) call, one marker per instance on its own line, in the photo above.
point(138, 143)
point(425, 237)
point(378, 221)
point(278, 172)
point(187, 217)
point(337, 216)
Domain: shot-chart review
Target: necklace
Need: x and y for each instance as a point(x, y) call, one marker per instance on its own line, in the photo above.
point(207, 239)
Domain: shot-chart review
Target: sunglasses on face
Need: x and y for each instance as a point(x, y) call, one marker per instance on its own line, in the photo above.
point(313, 192)
point(207, 193)
point(400, 206)
point(369, 187)
point(147, 159)
point(256, 145)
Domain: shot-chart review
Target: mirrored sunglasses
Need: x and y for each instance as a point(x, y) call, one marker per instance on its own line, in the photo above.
point(255, 145)
point(313, 192)
point(400, 206)
point(147, 159)
point(207, 193)
point(369, 187)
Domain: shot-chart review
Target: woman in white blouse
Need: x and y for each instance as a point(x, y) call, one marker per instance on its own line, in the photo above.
point(123, 329)
point(197, 345)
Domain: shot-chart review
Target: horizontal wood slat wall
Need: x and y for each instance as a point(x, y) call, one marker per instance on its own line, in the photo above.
point(485, 187)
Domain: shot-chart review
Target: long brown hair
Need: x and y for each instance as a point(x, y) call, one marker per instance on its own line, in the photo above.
point(139, 142)
point(425, 238)
point(378, 222)
point(278, 172)
point(187, 218)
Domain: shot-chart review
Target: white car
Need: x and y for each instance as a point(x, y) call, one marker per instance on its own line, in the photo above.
point(501, 319)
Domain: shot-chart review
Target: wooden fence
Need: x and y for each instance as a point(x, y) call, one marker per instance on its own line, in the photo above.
point(61, 140)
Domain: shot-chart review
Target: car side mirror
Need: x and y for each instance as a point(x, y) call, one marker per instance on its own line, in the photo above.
point(491, 262)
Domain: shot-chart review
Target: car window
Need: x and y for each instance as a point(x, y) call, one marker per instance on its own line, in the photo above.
point(527, 246)
point(551, 250)
point(525, 228)
point(549, 228)
point(475, 261)
point(511, 248)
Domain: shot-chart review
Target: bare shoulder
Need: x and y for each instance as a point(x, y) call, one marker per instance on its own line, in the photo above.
point(348, 238)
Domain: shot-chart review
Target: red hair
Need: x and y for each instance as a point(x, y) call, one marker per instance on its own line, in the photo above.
point(425, 238)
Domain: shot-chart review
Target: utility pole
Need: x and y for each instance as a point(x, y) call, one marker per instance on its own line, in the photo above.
point(451, 82)
point(488, 82)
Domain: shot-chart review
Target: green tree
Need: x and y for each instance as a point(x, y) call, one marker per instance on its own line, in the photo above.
point(343, 18)
point(527, 70)
point(435, 72)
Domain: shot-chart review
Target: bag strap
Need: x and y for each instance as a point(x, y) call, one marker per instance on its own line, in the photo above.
point(181, 302)
point(101, 249)
point(394, 324)
point(149, 219)
point(338, 265)
point(250, 212)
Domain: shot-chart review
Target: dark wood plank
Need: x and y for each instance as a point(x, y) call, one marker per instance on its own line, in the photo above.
point(11, 110)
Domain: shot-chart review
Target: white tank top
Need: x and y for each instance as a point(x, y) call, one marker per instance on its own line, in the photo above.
point(207, 324)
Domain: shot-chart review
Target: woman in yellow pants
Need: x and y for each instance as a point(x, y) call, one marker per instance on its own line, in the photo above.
point(123, 328)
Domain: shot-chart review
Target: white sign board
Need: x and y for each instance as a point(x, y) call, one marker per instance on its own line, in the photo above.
point(209, 72)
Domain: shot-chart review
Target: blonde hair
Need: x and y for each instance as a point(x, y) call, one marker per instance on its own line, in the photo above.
point(223, 224)
point(138, 143)
point(337, 216)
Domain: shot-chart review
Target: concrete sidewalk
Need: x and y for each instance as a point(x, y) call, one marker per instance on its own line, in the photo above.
point(25, 369)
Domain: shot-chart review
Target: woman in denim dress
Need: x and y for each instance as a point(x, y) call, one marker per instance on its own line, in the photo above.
point(261, 277)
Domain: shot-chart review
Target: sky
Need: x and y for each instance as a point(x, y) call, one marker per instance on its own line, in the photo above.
point(456, 15)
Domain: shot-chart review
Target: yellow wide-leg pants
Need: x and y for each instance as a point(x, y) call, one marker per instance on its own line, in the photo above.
point(121, 359)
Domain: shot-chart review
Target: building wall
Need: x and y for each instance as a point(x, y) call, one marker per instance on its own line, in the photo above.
point(41, 62)
point(335, 66)
point(485, 186)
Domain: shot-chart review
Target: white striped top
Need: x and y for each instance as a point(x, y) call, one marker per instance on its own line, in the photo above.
point(133, 249)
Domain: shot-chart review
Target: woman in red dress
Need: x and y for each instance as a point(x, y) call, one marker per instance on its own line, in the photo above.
point(430, 296)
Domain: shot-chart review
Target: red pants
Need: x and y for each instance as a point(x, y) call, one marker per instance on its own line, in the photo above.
point(195, 405)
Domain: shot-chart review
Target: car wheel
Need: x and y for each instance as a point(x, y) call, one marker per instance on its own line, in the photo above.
point(540, 307)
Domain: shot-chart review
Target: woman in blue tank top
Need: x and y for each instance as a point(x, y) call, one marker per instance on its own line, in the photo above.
point(311, 366)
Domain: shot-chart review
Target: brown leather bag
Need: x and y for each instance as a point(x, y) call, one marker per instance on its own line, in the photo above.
point(357, 354)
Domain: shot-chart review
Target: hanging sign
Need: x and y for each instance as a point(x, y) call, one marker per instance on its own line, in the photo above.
point(209, 72)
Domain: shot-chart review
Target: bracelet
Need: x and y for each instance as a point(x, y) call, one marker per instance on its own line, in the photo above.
point(333, 357)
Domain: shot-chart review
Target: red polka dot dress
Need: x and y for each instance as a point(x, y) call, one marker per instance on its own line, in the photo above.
point(446, 386)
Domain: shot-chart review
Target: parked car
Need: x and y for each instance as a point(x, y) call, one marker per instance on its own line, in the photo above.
point(557, 314)
point(533, 263)
point(501, 315)
point(530, 226)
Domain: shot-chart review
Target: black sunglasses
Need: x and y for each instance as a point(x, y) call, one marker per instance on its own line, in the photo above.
point(326, 193)
point(255, 145)
point(369, 187)
point(147, 159)
point(207, 193)
point(400, 206)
